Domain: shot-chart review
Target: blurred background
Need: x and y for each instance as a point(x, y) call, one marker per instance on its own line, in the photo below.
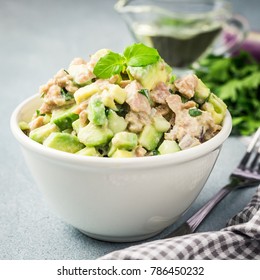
point(37, 38)
point(40, 37)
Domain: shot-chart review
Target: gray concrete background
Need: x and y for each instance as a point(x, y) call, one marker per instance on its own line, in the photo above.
point(37, 38)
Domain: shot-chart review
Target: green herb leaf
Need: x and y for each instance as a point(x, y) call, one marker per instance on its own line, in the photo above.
point(172, 79)
point(67, 95)
point(138, 55)
point(184, 99)
point(236, 80)
point(123, 109)
point(219, 70)
point(195, 112)
point(229, 90)
point(38, 113)
point(155, 152)
point(109, 65)
point(251, 81)
point(144, 92)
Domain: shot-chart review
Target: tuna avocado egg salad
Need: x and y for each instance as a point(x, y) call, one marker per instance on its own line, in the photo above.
point(124, 105)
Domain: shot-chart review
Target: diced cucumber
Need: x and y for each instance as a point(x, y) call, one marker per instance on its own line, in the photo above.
point(46, 118)
point(202, 92)
point(115, 122)
point(108, 100)
point(150, 137)
point(41, 133)
point(149, 76)
point(96, 111)
point(122, 154)
point(85, 92)
point(76, 125)
point(63, 142)
point(161, 124)
point(89, 151)
point(168, 146)
point(123, 140)
point(118, 94)
point(68, 130)
point(216, 107)
point(24, 125)
point(64, 118)
point(93, 135)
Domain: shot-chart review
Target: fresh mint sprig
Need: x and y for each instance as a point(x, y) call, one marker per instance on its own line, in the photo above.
point(136, 55)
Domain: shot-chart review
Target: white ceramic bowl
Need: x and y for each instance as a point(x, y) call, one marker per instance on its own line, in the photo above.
point(118, 199)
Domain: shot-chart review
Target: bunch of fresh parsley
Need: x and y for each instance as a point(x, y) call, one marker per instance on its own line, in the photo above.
point(236, 80)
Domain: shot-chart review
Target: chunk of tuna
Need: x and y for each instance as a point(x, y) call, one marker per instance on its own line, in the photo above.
point(186, 85)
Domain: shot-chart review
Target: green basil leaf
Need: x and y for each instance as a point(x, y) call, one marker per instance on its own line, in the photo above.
point(138, 55)
point(109, 65)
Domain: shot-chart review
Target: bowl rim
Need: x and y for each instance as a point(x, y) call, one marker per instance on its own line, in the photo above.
point(136, 162)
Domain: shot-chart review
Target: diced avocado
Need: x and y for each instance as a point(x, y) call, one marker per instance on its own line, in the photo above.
point(168, 146)
point(76, 125)
point(114, 93)
point(123, 140)
point(202, 92)
point(24, 125)
point(108, 100)
point(63, 142)
point(122, 154)
point(216, 107)
point(149, 76)
point(93, 135)
point(96, 111)
point(85, 92)
point(161, 124)
point(150, 137)
point(89, 151)
point(118, 94)
point(41, 133)
point(64, 118)
point(68, 130)
point(115, 122)
point(46, 118)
